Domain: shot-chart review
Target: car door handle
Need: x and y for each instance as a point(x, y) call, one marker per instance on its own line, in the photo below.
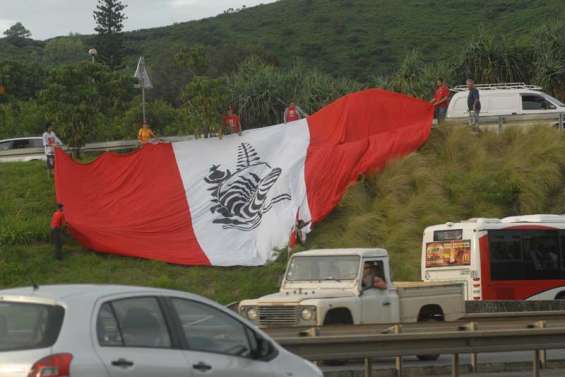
point(386, 303)
point(203, 367)
point(122, 363)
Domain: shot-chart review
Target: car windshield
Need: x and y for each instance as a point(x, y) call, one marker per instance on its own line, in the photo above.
point(28, 326)
point(555, 101)
point(308, 268)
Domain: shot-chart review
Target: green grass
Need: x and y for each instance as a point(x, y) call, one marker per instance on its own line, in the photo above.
point(456, 175)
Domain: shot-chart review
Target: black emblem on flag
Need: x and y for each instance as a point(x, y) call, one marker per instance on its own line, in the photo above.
point(240, 198)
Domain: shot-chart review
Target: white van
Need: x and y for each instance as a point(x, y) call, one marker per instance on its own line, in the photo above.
point(506, 100)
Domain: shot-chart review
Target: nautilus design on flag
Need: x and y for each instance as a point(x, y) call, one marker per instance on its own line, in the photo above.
point(240, 197)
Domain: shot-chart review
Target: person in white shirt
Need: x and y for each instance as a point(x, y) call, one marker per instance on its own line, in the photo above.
point(50, 140)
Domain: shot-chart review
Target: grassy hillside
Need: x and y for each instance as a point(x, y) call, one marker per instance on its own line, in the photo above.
point(355, 38)
point(456, 175)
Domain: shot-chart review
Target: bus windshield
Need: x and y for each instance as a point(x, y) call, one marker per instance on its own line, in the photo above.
point(526, 254)
point(318, 268)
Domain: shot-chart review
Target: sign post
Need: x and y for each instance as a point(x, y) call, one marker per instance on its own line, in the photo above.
point(144, 82)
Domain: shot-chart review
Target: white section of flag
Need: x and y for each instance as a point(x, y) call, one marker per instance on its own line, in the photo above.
point(263, 224)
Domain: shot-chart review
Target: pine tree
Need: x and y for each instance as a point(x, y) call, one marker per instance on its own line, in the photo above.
point(110, 16)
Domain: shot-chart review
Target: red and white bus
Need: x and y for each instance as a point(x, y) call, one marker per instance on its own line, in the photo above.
point(514, 258)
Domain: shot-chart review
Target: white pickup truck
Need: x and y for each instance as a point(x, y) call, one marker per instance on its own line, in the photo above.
point(325, 287)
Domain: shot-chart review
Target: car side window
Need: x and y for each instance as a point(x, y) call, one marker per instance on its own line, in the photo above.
point(533, 102)
point(21, 144)
point(107, 329)
point(133, 322)
point(208, 329)
point(6, 145)
point(36, 143)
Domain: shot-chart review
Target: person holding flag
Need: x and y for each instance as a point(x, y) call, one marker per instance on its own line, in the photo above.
point(145, 134)
point(50, 141)
point(232, 122)
point(292, 113)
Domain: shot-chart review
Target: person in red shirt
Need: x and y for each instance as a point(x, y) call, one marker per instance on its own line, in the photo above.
point(292, 113)
point(441, 99)
point(231, 122)
point(57, 224)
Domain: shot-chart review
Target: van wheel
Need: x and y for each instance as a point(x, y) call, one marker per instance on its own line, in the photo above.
point(430, 314)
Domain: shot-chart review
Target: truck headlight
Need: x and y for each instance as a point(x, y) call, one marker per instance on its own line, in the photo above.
point(252, 314)
point(307, 314)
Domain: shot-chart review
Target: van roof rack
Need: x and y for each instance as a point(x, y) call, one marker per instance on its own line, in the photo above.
point(498, 86)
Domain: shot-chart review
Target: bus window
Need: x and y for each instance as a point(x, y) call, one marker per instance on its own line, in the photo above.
point(525, 255)
point(505, 255)
point(541, 255)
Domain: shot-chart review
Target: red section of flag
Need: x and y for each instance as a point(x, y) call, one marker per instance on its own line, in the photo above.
point(356, 134)
point(129, 204)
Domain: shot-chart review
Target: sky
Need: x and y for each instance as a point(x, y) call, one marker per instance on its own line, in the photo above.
point(50, 18)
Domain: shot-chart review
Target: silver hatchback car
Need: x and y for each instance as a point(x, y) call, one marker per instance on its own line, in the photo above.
point(119, 331)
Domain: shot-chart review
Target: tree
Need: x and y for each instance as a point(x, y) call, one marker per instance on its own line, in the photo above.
point(491, 59)
point(81, 98)
point(205, 99)
point(194, 59)
point(65, 50)
point(110, 16)
point(17, 31)
point(549, 60)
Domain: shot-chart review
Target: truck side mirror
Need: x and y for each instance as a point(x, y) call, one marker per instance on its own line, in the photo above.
point(281, 278)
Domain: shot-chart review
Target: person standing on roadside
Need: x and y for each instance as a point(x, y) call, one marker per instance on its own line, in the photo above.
point(473, 105)
point(145, 134)
point(232, 122)
point(441, 100)
point(50, 141)
point(57, 224)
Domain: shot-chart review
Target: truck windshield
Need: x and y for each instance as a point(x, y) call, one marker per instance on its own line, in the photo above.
point(308, 268)
point(26, 326)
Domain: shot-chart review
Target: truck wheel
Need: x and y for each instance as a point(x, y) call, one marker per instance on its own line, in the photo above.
point(430, 314)
point(337, 317)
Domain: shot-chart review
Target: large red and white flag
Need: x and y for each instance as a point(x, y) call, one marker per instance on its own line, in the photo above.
point(235, 201)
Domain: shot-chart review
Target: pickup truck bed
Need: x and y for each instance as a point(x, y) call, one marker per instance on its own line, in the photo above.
point(415, 295)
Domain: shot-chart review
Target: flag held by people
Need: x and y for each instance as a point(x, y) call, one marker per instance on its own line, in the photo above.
point(235, 201)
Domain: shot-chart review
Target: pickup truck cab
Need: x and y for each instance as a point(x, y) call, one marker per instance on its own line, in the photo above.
point(328, 287)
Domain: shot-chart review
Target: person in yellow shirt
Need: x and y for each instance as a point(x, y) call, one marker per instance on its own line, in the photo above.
point(145, 134)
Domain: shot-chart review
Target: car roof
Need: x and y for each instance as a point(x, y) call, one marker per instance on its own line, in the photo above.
point(65, 291)
point(23, 138)
point(366, 253)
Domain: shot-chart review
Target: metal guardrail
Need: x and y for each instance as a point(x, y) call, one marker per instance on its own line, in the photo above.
point(469, 339)
point(500, 121)
point(108, 146)
point(124, 145)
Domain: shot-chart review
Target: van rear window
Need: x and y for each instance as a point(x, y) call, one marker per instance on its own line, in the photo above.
point(448, 235)
point(25, 326)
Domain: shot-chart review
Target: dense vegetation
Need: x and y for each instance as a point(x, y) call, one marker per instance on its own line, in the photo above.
point(260, 58)
point(456, 175)
point(352, 38)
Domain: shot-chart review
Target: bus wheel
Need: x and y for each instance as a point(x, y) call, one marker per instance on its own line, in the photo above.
point(430, 314)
